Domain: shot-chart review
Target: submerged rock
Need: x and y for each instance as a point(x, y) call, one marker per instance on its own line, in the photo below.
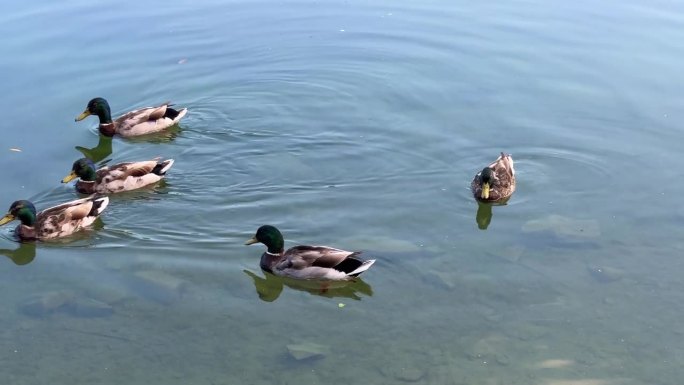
point(442, 279)
point(43, 304)
point(65, 301)
point(88, 308)
point(159, 286)
point(307, 350)
point(564, 226)
point(491, 349)
point(513, 253)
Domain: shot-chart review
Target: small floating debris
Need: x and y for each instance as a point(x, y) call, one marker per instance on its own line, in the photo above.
point(341, 305)
point(403, 373)
point(554, 364)
point(605, 274)
point(14, 149)
point(183, 61)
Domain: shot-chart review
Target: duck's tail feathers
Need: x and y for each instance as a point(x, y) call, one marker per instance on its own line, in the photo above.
point(364, 266)
point(175, 115)
point(99, 205)
point(162, 167)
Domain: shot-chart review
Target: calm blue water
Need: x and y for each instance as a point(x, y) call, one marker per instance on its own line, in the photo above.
point(356, 124)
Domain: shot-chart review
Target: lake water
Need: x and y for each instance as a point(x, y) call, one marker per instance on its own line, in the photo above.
point(357, 124)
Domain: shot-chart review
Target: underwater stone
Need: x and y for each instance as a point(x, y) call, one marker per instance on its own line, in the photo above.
point(43, 304)
point(110, 295)
point(307, 350)
point(513, 253)
point(490, 349)
point(159, 286)
point(442, 279)
point(88, 308)
point(564, 226)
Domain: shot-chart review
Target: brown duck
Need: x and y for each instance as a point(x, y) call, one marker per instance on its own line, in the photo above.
point(495, 182)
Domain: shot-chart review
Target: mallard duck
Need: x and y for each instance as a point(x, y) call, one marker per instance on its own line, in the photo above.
point(116, 178)
point(307, 262)
point(143, 121)
point(54, 222)
point(495, 182)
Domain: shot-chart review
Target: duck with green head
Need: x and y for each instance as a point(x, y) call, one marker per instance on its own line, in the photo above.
point(307, 262)
point(54, 222)
point(143, 121)
point(118, 177)
point(496, 182)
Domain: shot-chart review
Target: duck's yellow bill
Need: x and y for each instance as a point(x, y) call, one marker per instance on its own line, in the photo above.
point(252, 241)
point(69, 177)
point(84, 115)
point(485, 191)
point(6, 219)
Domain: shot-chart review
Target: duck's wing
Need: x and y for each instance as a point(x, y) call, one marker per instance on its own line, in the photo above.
point(76, 209)
point(69, 217)
point(121, 171)
point(131, 175)
point(503, 165)
point(300, 257)
point(142, 115)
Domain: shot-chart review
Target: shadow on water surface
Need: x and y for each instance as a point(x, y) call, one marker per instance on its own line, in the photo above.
point(271, 286)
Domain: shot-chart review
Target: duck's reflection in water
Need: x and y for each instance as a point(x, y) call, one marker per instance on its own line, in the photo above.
point(99, 152)
point(22, 255)
point(270, 286)
point(483, 217)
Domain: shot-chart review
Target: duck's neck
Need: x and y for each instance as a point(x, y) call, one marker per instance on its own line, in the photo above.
point(89, 175)
point(27, 217)
point(104, 114)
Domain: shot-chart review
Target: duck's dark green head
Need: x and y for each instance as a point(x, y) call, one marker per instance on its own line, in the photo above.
point(99, 107)
point(486, 178)
point(83, 168)
point(269, 236)
point(22, 210)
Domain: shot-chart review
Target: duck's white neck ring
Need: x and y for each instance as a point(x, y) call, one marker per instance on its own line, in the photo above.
point(273, 254)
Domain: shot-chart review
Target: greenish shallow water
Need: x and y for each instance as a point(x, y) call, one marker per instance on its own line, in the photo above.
point(359, 125)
